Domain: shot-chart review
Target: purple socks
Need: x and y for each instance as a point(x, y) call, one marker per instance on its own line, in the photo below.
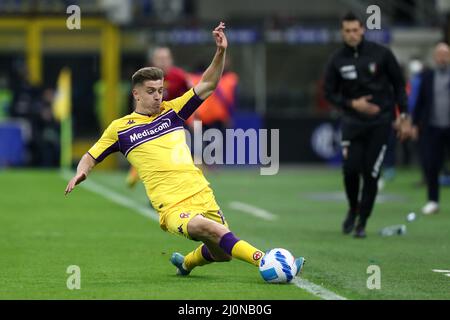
point(206, 254)
point(227, 242)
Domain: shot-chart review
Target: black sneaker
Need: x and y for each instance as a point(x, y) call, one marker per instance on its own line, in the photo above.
point(360, 232)
point(349, 222)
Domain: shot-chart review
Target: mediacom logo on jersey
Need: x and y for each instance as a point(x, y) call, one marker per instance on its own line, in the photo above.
point(150, 132)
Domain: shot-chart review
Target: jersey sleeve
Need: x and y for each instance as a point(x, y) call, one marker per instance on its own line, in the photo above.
point(185, 105)
point(332, 86)
point(107, 144)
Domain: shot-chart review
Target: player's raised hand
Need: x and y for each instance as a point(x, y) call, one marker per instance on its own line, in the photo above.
point(79, 177)
point(219, 36)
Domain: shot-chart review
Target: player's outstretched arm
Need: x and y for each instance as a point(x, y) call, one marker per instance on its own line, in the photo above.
point(84, 166)
point(212, 75)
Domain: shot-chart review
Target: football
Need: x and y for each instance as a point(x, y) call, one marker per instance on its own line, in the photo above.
point(278, 266)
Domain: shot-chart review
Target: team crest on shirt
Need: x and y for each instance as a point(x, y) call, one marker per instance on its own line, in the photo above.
point(130, 122)
point(373, 67)
point(184, 215)
point(257, 255)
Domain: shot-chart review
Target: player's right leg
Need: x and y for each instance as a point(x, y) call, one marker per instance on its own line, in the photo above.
point(196, 258)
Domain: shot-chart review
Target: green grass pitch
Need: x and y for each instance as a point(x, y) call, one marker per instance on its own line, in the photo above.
point(124, 255)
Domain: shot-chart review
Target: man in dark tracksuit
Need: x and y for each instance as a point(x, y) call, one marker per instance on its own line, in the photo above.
point(432, 118)
point(365, 81)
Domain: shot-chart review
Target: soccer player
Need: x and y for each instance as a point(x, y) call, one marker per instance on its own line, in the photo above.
point(153, 140)
point(365, 81)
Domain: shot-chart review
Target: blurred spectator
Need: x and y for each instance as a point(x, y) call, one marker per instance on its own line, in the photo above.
point(33, 105)
point(416, 67)
point(47, 129)
point(176, 81)
point(432, 121)
point(24, 106)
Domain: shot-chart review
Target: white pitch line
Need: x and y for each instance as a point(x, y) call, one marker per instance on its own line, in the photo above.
point(446, 272)
point(255, 211)
point(317, 290)
point(150, 213)
point(442, 271)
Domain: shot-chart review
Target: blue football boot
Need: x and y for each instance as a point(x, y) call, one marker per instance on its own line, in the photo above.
point(177, 260)
point(299, 262)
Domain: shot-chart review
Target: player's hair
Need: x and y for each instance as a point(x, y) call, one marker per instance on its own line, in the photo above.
point(144, 74)
point(350, 16)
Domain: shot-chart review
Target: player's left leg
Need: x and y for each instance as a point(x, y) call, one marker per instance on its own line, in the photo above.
point(199, 257)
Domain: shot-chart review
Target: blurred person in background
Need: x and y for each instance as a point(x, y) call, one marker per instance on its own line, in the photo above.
point(24, 96)
point(416, 68)
point(33, 105)
point(176, 82)
point(431, 119)
point(365, 81)
point(48, 131)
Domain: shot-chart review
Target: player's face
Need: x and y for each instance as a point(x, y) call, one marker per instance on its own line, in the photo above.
point(148, 96)
point(352, 32)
